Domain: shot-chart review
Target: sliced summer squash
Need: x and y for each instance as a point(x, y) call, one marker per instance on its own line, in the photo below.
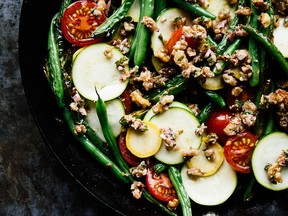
point(210, 190)
point(266, 152)
point(216, 6)
point(92, 69)
point(144, 144)
point(150, 113)
point(182, 121)
point(165, 27)
point(281, 42)
point(212, 83)
point(115, 110)
point(209, 167)
point(134, 11)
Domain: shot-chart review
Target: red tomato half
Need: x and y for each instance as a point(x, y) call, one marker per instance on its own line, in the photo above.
point(126, 100)
point(175, 37)
point(125, 153)
point(78, 23)
point(217, 122)
point(238, 151)
point(160, 186)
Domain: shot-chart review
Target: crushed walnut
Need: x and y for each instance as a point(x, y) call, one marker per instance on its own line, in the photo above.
point(274, 170)
point(137, 188)
point(140, 170)
point(139, 100)
point(163, 104)
point(169, 136)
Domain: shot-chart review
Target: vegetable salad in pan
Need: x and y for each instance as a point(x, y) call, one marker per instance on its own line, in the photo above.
point(181, 100)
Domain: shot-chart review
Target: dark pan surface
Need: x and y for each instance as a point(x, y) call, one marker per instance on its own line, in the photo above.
point(34, 24)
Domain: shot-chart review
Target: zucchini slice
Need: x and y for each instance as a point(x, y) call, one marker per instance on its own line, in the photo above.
point(280, 41)
point(210, 190)
point(179, 120)
point(92, 69)
point(266, 152)
point(164, 23)
point(115, 110)
point(150, 113)
point(216, 6)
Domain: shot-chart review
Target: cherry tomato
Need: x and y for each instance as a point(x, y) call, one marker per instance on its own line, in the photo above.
point(246, 94)
point(217, 122)
point(78, 22)
point(175, 37)
point(160, 186)
point(125, 153)
point(126, 100)
point(238, 151)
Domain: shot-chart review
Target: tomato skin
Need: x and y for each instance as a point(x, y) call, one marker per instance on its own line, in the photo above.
point(130, 158)
point(245, 95)
point(217, 122)
point(126, 100)
point(175, 37)
point(78, 23)
point(238, 151)
point(160, 186)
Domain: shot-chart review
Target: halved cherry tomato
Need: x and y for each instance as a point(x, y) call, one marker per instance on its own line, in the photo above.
point(126, 154)
point(78, 22)
point(160, 186)
point(126, 100)
point(238, 151)
point(217, 122)
point(175, 37)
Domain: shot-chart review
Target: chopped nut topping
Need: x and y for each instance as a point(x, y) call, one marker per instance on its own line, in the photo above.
point(163, 104)
point(79, 129)
point(195, 172)
point(265, 19)
point(172, 204)
point(169, 137)
point(137, 98)
point(149, 23)
point(135, 123)
point(140, 170)
point(137, 188)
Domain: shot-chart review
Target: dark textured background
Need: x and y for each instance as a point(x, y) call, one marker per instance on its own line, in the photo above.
point(32, 181)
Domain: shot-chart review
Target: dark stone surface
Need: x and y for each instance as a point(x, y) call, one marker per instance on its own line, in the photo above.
point(32, 181)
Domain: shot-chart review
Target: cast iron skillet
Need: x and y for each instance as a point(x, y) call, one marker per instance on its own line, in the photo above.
point(34, 25)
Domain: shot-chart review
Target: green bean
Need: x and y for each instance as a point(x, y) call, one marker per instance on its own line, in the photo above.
point(206, 112)
point(109, 136)
point(249, 193)
point(254, 49)
point(142, 32)
point(114, 19)
point(211, 41)
point(160, 5)
point(151, 199)
point(220, 66)
point(269, 46)
point(215, 97)
point(225, 42)
point(93, 150)
point(184, 199)
point(54, 63)
point(194, 9)
point(159, 168)
point(172, 89)
point(64, 5)
point(96, 140)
